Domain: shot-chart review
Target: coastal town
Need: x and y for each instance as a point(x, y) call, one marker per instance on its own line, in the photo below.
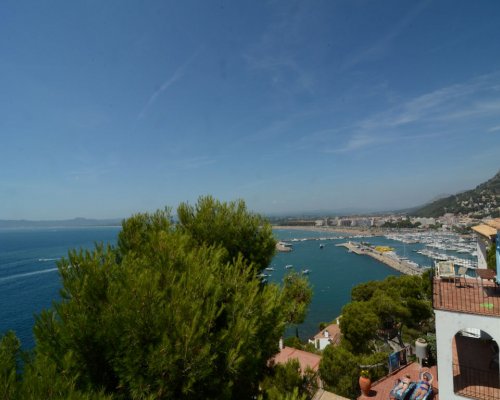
point(466, 362)
point(460, 358)
point(250, 200)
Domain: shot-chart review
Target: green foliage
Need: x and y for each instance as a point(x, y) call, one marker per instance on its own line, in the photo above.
point(365, 291)
point(388, 304)
point(358, 325)
point(405, 223)
point(171, 313)
point(310, 348)
point(385, 304)
point(286, 396)
point(491, 257)
point(293, 341)
point(376, 364)
point(462, 230)
point(9, 355)
point(431, 348)
point(44, 380)
point(297, 294)
point(231, 226)
point(41, 379)
point(140, 231)
point(286, 381)
point(339, 370)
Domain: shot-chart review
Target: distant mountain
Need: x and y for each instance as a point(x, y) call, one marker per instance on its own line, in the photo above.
point(68, 223)
point(480, 202)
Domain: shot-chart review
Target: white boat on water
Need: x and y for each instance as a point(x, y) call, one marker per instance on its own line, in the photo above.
point(305, 271)
point(288, 266)
point(269, 269)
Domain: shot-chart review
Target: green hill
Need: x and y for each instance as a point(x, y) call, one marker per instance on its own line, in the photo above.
point(482, 201)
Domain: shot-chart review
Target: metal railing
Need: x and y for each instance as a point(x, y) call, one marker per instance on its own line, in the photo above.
point(475, 383)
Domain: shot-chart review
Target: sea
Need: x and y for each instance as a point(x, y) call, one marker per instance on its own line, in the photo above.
point(30, 282)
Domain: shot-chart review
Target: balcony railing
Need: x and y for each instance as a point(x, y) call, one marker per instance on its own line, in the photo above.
point(466, 295)
point(475, 383)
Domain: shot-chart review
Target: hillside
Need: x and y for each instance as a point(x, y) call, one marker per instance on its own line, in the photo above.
point(480, 202)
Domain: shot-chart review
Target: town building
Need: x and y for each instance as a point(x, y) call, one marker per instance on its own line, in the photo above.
point(327, 336)
point(467, 312)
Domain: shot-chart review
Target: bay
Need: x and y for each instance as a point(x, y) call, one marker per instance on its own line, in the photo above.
point(29, 280)
point(334, 272)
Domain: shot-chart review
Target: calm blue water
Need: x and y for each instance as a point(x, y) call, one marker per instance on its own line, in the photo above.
point(334, 272)
point(29, 280)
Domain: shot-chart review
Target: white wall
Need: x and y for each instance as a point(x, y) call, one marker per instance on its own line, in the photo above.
point(481, 253)
point(447, 325)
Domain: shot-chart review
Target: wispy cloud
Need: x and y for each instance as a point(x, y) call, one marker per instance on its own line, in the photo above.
point(472, 98)
point(430, 115)
point(178, 74)
point(275, 52)
point(196, 162)
point(380, 46)
point(283, 70)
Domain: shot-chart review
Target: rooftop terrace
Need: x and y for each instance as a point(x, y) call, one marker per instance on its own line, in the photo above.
point(474, 296)
point(382, 388)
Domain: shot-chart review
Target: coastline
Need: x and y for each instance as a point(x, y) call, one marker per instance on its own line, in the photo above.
point(398, 265)
point(334, 229)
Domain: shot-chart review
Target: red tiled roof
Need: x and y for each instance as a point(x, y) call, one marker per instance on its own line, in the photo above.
point(333, 330)
point(305, 358)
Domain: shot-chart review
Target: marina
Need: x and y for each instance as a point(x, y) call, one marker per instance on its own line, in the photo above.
point(388, 258)
point(432, 246)
point(29, 257)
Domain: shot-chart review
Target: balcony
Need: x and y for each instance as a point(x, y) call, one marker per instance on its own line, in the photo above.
point(475, 368)
point(476, 383)
point(466, 295)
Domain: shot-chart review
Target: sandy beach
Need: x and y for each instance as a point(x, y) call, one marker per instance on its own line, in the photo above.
point(335, 229)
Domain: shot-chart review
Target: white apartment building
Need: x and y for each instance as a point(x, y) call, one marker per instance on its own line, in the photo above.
point(468, 331)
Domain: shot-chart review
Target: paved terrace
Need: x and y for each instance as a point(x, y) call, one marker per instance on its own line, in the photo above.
point(382, 388)
point(475, 362)
point(467, 296)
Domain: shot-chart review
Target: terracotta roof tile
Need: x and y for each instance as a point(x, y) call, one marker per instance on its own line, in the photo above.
point(485, 230)
point(305, 358)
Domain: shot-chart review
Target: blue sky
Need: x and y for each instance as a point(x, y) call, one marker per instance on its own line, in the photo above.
point(113, 107)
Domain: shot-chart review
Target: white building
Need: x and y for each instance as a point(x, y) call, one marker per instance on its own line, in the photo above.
point(424, 222)
point(468, 333)
point(485, 235)
point(327, 336)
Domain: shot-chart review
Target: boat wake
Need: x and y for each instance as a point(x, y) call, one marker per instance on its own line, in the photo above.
point(47, 259)
point(17, 276)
